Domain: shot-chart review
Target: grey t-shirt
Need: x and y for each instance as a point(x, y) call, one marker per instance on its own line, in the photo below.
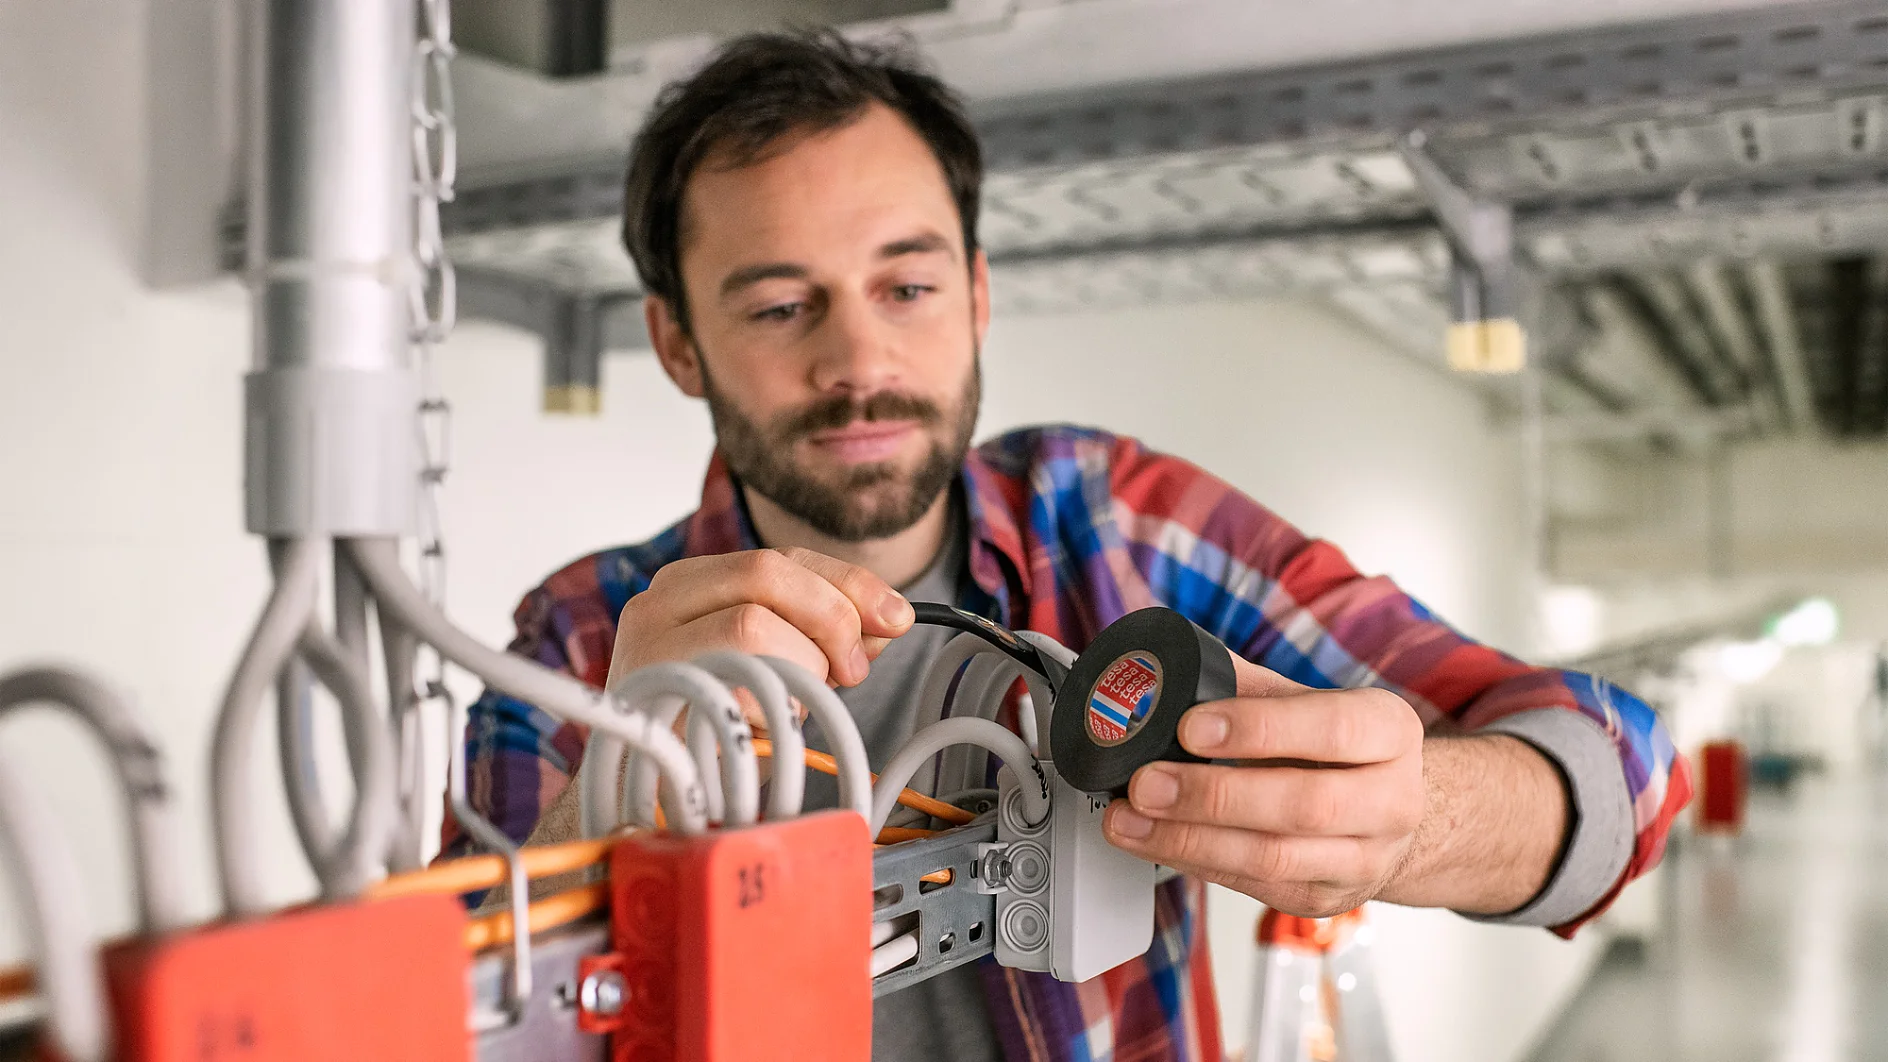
point(945, 1018)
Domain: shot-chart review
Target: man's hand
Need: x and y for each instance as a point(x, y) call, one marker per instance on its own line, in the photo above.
point(1318, 816)
point(830, 617)
point(1338, 798)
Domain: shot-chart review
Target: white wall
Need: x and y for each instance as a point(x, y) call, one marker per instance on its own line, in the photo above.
point(120, 501)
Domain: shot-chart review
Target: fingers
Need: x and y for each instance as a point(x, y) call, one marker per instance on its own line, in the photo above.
point(1231, 855)
point(843, 610)
point(1257, 681)
point(745, 628)
point(1379, 800)
point(882, 611)
point(1357, 726)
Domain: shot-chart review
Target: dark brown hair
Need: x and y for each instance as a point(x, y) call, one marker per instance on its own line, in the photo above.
point(760, 88)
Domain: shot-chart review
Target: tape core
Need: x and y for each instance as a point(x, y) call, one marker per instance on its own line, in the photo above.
point(1123, 698)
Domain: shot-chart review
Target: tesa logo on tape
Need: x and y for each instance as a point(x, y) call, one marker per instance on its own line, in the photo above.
point(1123, 698)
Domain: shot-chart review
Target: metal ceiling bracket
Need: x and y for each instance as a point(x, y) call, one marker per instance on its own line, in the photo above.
point(576, 327)
point(1486, 334)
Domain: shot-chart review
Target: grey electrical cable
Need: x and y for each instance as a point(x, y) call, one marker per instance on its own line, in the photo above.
point(350, 609)
point(558, 694)
point(295, 746)
point(703, 745)
point(52, 891)
point(934, 693)
point(151, 815)
point(940, 735)
point(284, 618)
point(359, 856)
point(979, 694)
point(969, 678)
point(659, 692)
point(786, 788)
point(397, 649)
point(824, 707)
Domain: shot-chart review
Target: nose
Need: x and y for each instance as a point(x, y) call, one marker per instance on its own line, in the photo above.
point(855, 351)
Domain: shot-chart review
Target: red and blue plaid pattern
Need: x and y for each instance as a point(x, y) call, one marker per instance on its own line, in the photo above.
point(1071, 529)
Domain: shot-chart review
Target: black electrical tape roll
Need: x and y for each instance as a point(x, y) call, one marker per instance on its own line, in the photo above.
point(1120, 707)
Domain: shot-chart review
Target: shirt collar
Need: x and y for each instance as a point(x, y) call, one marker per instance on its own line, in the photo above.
point(991, 500)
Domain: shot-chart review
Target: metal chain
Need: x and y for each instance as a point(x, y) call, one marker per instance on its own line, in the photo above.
point(434, 292)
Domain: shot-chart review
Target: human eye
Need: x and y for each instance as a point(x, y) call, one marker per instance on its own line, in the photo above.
point(910, 292)
point(779, 313)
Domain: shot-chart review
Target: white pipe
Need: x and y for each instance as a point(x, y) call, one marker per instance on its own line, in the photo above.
point(330, 192)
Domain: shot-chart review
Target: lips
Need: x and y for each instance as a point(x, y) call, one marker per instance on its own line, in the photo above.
point(863, 442)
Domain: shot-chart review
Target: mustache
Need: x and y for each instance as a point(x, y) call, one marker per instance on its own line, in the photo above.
point(839, 411)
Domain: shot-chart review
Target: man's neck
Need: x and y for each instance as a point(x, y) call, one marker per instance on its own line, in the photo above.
point(898, 560)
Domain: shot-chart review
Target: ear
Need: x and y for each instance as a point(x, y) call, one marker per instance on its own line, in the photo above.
point(980, 295)
point(673, 348)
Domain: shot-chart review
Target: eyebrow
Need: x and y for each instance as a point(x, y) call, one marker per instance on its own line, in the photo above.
point(748, 276)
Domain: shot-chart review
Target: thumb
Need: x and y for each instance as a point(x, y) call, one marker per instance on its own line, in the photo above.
point(1256, 681)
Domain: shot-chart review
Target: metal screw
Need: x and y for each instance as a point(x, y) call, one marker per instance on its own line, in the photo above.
point(995, 868)
point(604, 993)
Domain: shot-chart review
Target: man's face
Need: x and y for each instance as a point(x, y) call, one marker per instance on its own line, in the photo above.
point(834, 324)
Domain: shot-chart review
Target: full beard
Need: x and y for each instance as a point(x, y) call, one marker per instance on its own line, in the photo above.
point(863, 502)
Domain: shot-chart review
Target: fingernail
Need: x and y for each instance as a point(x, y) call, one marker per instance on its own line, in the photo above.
point(1204, 729)
point(894, 610)
point(1132, 824)
point(1155, 788)
point(860, 665)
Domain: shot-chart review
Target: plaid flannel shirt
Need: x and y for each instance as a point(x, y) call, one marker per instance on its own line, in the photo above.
point(1070, 529)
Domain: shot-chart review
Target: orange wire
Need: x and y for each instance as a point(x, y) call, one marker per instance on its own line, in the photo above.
point(916, 801)
point(16, 982)
point(485, 871)
point(549, 913)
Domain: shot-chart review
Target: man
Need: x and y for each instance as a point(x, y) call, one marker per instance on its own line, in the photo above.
point(803, 214)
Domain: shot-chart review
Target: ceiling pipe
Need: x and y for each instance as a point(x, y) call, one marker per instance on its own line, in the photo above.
point(1783, 338)
point(1690, 340)
point(1711, 280)
point(1632, 361)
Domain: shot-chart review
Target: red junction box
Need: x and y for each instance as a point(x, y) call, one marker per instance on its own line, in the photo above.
point(752, 943)
point(361, 981)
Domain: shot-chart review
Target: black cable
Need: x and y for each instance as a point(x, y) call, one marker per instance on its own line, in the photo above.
point(937, 615)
